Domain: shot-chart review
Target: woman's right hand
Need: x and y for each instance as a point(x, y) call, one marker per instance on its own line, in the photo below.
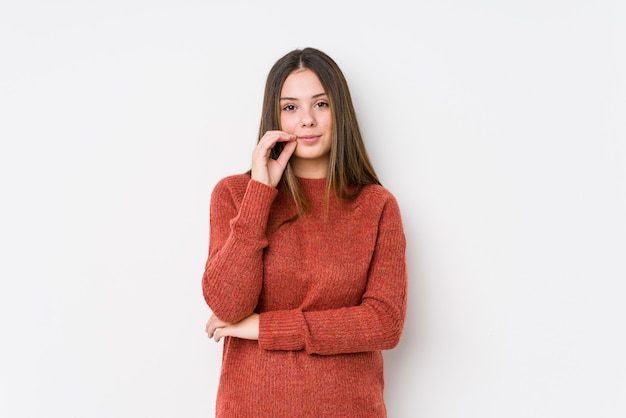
point(265, 169)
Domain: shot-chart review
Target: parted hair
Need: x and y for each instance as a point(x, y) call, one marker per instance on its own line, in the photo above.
point(350, 168)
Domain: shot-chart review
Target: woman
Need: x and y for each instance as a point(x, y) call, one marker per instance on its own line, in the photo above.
point(306, 272)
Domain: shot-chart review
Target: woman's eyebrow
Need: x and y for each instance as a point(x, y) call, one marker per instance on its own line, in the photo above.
point(295, 98)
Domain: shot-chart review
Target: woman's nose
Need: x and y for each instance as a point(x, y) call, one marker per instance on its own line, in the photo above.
point(307, 120)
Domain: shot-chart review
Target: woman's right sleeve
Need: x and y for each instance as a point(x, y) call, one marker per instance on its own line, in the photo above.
point(233, 274)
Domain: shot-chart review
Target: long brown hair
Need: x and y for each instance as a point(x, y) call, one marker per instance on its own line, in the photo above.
point(350, 168)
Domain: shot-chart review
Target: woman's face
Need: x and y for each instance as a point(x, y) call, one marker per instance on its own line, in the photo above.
point(305, 112)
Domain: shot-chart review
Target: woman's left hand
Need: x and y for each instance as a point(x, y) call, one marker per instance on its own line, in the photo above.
point(247, 328)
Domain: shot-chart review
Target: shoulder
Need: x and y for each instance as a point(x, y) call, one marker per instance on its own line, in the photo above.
point(234, 181)
point(377, 195)
point(382, 202)
point(231, 187)
point(375, 200)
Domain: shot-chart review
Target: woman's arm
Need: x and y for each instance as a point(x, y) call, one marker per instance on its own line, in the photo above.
point(234, 269)
point(239, 210)
point(375, 324)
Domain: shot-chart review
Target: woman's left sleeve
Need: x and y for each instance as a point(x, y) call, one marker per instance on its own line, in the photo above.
point(376, 324)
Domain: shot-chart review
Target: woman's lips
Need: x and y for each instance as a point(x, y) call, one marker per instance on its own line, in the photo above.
point(307, 139)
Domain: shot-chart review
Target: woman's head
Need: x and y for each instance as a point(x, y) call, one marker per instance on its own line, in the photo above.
point(349, 167)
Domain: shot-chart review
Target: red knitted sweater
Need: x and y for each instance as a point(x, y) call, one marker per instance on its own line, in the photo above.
point(331, 291)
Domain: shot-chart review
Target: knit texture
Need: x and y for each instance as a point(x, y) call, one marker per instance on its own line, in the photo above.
point(330, 288)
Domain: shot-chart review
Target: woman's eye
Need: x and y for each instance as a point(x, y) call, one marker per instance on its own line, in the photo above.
point(289, 107)
point(321, 104)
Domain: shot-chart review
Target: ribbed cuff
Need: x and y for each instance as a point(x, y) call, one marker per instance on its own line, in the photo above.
point(282, 330)
point(251, 222)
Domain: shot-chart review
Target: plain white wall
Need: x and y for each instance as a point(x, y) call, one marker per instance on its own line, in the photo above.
point(499, 126)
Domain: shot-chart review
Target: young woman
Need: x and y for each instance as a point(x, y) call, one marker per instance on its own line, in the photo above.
point(306, 273)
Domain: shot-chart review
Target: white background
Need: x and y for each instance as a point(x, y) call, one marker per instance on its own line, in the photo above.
point(498, 125)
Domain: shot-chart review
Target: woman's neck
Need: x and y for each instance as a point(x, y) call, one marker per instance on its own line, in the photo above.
point(309, 169)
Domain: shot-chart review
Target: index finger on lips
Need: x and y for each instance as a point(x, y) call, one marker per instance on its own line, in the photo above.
point(271, 138)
